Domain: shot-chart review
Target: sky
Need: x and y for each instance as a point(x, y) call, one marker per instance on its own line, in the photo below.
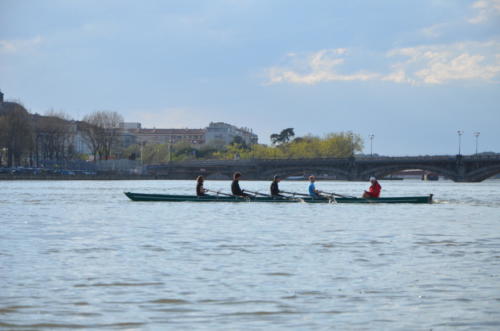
point(410, 72)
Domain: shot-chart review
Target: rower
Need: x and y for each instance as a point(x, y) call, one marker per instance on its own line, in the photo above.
point(235, 186)
point(200, 191)
point(275, 191)
point(313, 192)
point(374, 190)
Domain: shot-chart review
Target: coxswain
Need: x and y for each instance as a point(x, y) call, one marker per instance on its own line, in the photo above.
point(374, 190)
point(235, 186)
point(200, 191)
point(313, 192)
point(275, 191)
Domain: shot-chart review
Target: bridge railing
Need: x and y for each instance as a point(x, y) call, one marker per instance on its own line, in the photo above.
point(362, 159)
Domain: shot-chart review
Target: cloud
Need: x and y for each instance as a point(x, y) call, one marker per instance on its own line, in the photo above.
point(433, 31)
point(427, 64)
point(313, 68)
point(19, 45)
point(438, 64)
point(485, 9)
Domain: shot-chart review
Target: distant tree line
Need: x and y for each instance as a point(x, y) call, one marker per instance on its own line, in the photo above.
point(31, 139)
point(284, 145)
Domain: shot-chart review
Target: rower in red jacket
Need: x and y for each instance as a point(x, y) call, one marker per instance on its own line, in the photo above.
point(374, 190)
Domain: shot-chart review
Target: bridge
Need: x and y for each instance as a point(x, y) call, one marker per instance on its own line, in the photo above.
point(458, 168)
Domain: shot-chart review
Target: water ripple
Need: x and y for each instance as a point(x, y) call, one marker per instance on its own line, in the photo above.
point(79, 255)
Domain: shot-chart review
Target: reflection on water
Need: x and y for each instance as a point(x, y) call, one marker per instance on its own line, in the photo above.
point(81, 255)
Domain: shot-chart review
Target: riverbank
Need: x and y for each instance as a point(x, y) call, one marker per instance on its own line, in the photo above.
point(77, 177)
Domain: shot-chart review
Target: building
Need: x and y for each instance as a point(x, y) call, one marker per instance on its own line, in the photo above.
point(220, 131)
point(79, 142)
point(167, 136)
point(130, 125)
point(133, 133)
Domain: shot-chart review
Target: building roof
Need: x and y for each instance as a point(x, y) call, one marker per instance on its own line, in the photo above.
point(168, 131)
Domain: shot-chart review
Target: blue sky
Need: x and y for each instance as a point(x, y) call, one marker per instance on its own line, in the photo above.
point(410, 72)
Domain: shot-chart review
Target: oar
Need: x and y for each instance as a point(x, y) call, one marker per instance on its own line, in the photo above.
point(336, 194)
point(270, 196)
point(221, 193)
point(230, 195)
point(295, 193)
point(257, 193)
point(307, 195)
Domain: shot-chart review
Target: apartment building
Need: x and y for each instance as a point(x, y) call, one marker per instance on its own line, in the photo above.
point(220, 131)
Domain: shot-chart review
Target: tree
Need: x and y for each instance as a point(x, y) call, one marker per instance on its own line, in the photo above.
point(240, 143)
point(209, 150)
point(91, 134)
point(283, 137)
point(180, 151)
point(155, 153)
point(101, 131)
point(132, 152)
point(53, 136)
point(343, 144)
point(16, 132)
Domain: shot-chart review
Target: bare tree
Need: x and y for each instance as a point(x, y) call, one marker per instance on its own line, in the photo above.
point(91, 134)
point(53, 136)
point(101, 130)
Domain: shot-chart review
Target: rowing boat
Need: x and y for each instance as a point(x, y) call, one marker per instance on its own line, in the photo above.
point(219, 198)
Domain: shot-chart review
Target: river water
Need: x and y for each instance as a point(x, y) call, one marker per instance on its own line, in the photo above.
point(79, 254)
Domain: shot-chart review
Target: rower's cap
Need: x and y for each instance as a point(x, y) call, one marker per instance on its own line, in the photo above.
point(276, 177)
point(372, 179)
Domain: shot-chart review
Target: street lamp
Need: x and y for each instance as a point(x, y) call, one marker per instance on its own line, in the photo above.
point(170, 150)
point(351, 138)
point(371, 143)
point(476, 134)
point(460, 133)
point(4, 155)
point(2, 152)
point(142, 143)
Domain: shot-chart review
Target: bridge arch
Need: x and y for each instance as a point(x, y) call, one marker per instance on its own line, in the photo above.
point(220, 173)
point(385, 170)
point(483, 173)
point(217, 175)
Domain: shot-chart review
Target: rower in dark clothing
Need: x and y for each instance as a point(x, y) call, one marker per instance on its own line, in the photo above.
point(235, 186)
point(200, 191)
point(275, 191)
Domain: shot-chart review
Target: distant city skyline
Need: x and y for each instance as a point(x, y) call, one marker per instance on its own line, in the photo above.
point(411, 73)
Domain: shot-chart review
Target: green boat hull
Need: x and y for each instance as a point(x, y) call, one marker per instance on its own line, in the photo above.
point(219, 198)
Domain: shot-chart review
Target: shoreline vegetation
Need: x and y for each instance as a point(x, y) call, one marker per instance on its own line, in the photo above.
point(283, 146)
point(33, 140)
point(126, 177)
